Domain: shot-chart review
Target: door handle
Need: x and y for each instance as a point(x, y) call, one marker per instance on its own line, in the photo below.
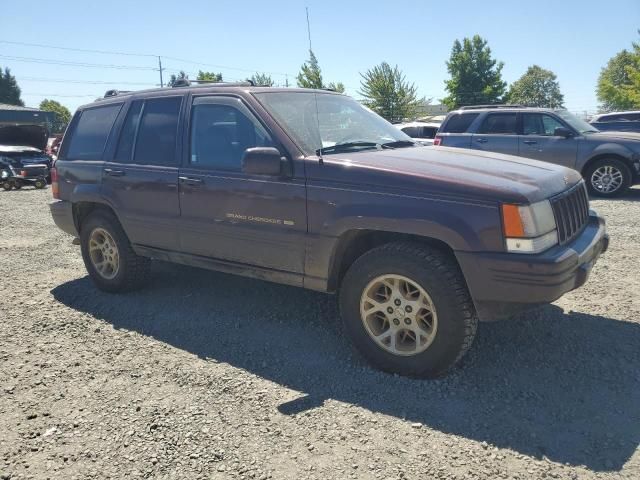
point(114, 173)
point(530, 142)
point(191, 180)
point(481, 140)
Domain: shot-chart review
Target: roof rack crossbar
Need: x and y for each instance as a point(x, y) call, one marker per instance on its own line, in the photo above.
point(496, 105)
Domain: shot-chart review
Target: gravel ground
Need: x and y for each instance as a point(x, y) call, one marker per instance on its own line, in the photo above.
point(205, 375)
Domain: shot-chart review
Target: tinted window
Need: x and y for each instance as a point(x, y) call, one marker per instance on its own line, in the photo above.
point(156, 141)
point(220, 134)
point(459, 122)
point(539, 124)
point(128, 135)
point(429, 132)
point(411, 131)
point(499, 123)
point(91, 132)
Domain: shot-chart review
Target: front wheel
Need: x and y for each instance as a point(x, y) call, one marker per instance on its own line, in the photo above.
point(40, 183)
point(608, 177)
point(407, 309)
point(7, 185)
point(17, 184)
point(110, 261)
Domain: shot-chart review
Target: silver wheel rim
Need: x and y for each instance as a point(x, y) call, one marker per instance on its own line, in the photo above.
point(103, 253)
point(398, 314)
point(606, 179)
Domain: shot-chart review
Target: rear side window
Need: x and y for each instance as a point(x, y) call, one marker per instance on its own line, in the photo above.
point(128, 135)
point(157, 132)
point(459, 122)
point(429, 132)
point(499, 123)
point(413, 132)
point(89, 137)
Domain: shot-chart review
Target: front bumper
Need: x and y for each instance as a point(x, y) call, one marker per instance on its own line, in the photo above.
point(62, 213)
point(503, 284)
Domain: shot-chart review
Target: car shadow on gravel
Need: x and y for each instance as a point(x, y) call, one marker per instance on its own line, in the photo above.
point(561, 385)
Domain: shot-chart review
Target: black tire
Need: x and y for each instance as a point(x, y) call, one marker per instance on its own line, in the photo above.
point(439, 275)
point(615, 163)
point(7, 185)
point(133, 270)
point(17, 184)
point(40, 183)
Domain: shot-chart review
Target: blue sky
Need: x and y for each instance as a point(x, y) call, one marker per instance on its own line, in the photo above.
point(572, 38)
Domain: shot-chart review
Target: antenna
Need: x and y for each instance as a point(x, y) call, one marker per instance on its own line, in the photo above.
point(308, 28)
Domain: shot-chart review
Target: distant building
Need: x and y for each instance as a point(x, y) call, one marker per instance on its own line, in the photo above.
point(428, 112)
point(16, 115)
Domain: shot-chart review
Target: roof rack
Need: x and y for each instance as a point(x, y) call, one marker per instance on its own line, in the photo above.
point(497, 105)
point(185, 82)
point(115, 93)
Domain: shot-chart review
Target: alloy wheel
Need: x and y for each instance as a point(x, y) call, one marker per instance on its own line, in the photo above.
point(103, 253)
point(606, 179)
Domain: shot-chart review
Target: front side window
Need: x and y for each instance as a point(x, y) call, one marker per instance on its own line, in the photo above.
point(413, 132)
point(334, 123)
point(221, 133)
point(157, 132)
point(429, 132)
point(91, 132)
point(499, 124)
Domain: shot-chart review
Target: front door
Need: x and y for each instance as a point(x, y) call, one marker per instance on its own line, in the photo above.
point(497, 133)
point(142, 178)
point(226, 214)
point(538, 140)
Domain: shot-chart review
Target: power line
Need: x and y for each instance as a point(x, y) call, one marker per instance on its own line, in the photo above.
point(74, 64)
point(87, 82)
point(35, 94)
point(85, 50)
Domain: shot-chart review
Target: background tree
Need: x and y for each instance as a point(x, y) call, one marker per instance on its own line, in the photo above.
point(209, 76)
point(9, 89)
point(536, 88)
point(63, 115)
point(476, 78)
point(262, 79)
point(619, 82)
point(174, 78)
point(310, 75)
point(388, 93)
point(337, 86)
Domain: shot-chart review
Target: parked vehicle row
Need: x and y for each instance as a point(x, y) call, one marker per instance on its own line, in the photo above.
point(22, 160)
point(617, 121)
point(309, 188)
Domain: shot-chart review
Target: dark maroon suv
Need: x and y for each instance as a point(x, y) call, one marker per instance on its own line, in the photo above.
point(310, 188)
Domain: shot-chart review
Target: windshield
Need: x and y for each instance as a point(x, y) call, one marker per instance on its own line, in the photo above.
point(580, 125)
point(325, 123)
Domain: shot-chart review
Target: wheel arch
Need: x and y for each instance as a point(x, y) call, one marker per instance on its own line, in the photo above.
point(82, 209)
point(600, 156)
point(355, 243)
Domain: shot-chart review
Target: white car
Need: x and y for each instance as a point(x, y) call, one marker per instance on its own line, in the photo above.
point(421, 132)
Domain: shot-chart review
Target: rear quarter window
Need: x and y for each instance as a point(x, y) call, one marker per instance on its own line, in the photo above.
point(91, 131)
point(459, 122)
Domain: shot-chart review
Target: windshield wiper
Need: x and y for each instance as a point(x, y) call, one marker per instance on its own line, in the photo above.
point(399, 144)
point(339, 147)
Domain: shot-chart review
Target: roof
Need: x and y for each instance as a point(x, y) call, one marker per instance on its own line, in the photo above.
point(499, 108)
point(18, 148)
point(417, 124)
point(6, 106)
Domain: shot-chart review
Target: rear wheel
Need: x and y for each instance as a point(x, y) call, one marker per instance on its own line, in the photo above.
point(7, 185)
point(608, 177)
point(40, 183)
point(17, 184)
point(407, 309)
point(110, 261)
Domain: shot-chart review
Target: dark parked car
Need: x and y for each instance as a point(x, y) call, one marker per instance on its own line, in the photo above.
point(609, 161)
point(21, 148)
point(309, 188)
point(617, 121)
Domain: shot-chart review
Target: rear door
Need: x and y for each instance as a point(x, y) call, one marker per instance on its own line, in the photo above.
point(257, 220)
point(141, 180)
point(538, 140)
point(497, 133)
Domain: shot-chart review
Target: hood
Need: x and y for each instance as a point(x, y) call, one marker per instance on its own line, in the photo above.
point(24, 135)
point(454, 172)
point(612, 135)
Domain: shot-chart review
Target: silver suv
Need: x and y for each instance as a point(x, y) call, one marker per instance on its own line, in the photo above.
point(609, 161)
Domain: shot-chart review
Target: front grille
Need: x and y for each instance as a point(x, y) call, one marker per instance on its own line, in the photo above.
point(571, 209)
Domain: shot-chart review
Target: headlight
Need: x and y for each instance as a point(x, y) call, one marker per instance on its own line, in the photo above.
point(529, 228)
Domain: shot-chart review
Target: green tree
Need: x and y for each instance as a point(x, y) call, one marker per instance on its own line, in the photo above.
point(536, 88)
point(388, 93)
point(310, 75)
point(336, 86)
point(476, 78)
point(174, 78)
point(9, 89)
point(619, 82)
point(262, 79)
point(209, 76)
point(63, 115)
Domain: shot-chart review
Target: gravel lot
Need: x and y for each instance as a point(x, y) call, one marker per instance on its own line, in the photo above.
point(205, 375)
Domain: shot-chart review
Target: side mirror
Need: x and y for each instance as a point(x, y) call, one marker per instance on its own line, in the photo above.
point(562, 132)
point(263, 161)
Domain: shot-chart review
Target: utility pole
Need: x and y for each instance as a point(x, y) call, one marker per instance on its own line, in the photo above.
point(160, 69)
point(286, 81)
point(308, 28)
